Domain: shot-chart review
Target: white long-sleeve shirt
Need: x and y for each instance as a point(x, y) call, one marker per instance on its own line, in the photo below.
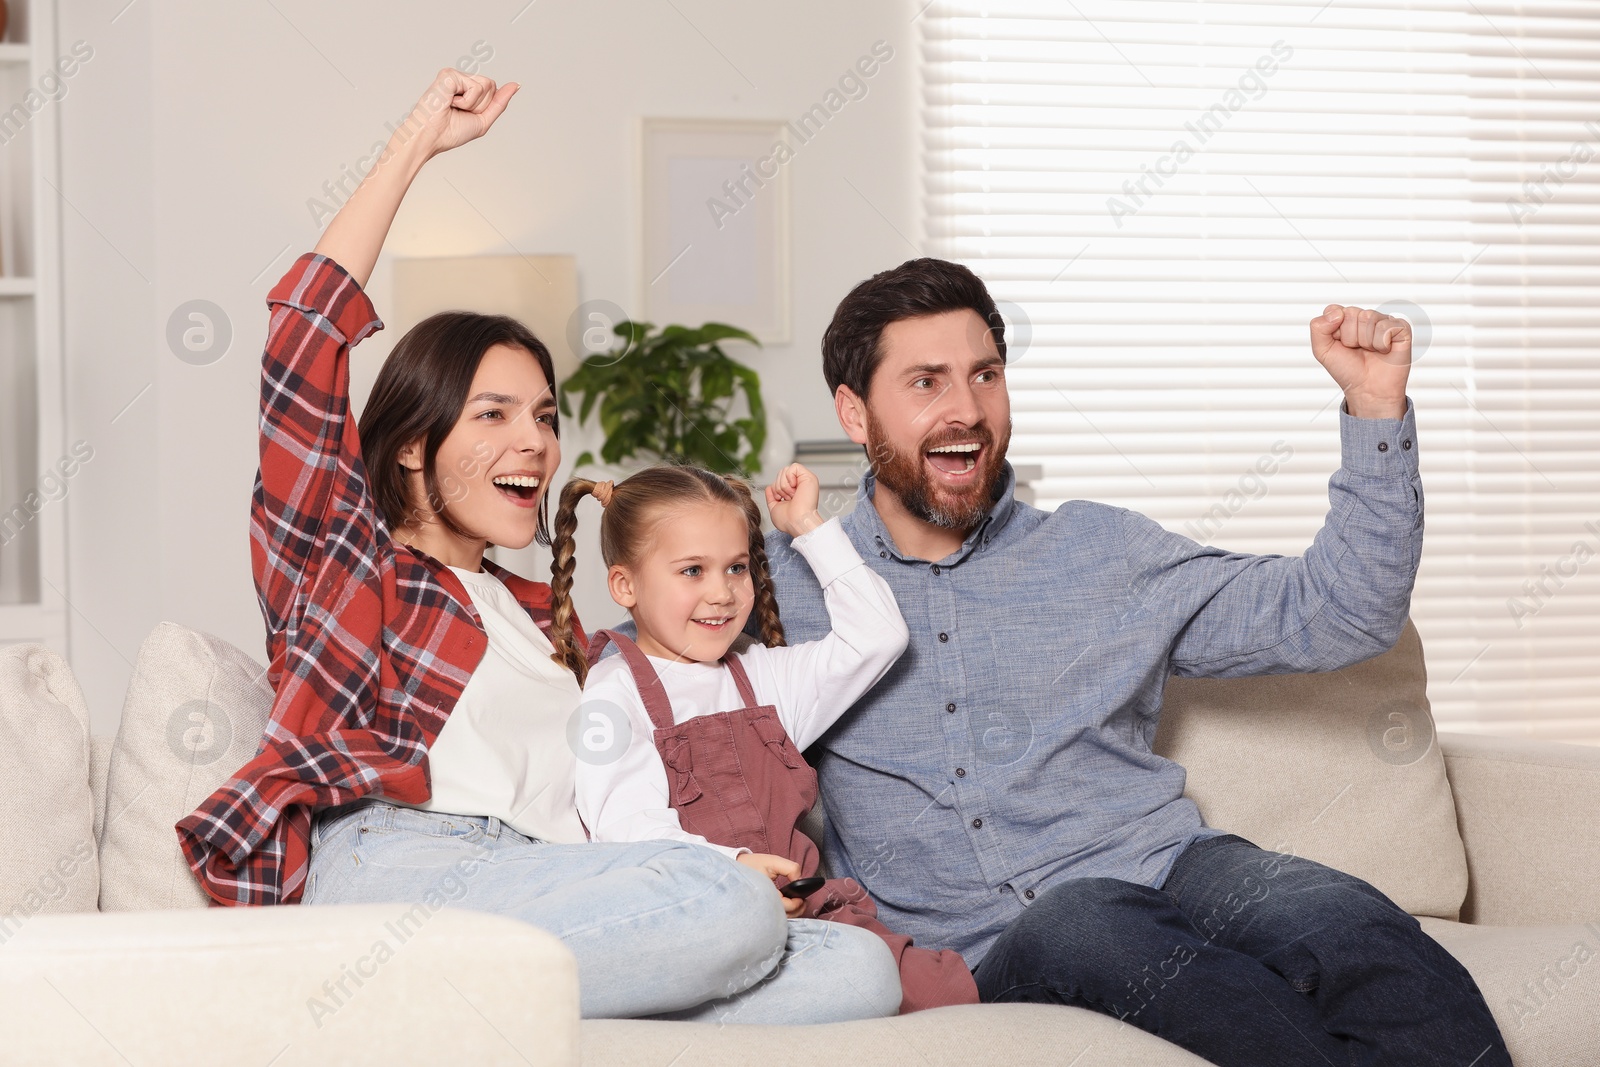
point(625, 797)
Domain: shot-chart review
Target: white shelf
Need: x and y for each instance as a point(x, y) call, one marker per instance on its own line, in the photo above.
point(32, 419)
point(26, 623)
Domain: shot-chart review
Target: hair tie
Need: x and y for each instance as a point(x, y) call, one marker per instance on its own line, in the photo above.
point(602, 492)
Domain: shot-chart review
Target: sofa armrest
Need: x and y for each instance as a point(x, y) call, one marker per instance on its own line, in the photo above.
point(368, 983)
point(1527, 811)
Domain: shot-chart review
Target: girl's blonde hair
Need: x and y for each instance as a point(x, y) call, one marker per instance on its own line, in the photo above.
point(635, 505)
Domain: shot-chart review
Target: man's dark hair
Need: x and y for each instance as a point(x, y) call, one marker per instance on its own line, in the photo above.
point(851, 345)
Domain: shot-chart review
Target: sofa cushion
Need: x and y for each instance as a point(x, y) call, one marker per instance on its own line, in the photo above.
point(1341, 767)
point(194, 714)
point(957, 1036)
point(48, 861)
point(1541, 982)
point(1527, 811)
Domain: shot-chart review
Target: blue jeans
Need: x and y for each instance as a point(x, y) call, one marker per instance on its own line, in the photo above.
point(1249, 957)
point(658, 927)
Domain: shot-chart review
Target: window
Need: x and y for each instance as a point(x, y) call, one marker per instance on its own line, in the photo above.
point(1166, 193)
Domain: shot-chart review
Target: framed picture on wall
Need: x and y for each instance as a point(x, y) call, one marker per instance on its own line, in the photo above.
point(715, 215)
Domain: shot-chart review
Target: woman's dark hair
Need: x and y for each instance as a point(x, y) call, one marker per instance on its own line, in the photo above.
point(420, 393)
point(851, 344)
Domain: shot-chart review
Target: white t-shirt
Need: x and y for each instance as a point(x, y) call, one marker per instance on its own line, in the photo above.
point(503, 750)
point(625, 797)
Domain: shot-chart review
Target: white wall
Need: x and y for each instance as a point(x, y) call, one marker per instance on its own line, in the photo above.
point(195, 136)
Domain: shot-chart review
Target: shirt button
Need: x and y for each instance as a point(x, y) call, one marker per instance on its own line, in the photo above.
point(944, 637)
point(936, 569)
point(883, 555)
point(1406, 444)
point(977, 824)
point(961, 772)
point(950, 708)
point(1027, 894)
point(1383, 446)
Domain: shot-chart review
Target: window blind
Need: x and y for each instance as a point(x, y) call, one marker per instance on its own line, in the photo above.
point(1163, 195)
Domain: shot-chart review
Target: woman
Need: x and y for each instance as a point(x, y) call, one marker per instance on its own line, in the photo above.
point(417, 748)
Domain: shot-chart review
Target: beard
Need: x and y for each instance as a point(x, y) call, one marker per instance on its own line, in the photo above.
point(907, 475)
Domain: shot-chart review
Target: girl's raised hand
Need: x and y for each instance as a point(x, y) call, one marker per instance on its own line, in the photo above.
point(458, 108)
point(792, 500)
point(773, 867)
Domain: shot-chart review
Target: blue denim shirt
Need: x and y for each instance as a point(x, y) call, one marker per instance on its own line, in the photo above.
point(1010, 747)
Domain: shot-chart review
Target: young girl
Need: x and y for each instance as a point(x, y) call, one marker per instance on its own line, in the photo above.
point(706, 730)
point(416, 749)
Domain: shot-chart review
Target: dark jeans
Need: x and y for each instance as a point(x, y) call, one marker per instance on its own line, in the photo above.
point(1250, 957)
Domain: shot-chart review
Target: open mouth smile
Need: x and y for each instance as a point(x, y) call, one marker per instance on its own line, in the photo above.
point(955, 462)
point(520, 489)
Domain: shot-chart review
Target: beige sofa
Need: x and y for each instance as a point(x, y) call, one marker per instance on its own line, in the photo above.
point(107, 954)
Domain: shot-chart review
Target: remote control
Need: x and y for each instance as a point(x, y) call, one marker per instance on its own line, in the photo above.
point(802, 887)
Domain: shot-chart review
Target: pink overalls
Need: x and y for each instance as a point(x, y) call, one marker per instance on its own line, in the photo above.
point(736, 779)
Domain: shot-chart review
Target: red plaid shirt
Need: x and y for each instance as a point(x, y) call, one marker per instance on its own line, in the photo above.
point(370, 642)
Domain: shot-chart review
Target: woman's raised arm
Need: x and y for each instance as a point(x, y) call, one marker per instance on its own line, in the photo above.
point(310, 481)
point(457, 108)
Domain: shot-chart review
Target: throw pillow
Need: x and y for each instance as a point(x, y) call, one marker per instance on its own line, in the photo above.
point(194, 714)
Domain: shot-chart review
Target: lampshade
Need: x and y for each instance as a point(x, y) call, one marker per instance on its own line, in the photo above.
point(539, 291)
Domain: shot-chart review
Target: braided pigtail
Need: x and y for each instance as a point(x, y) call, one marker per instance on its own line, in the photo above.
point(766, 603)
point(567, 653)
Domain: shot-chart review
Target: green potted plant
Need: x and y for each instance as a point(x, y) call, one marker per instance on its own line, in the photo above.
point(672, 395)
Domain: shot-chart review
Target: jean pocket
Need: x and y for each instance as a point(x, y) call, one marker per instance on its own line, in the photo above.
point(424, 823)
point(394, 847)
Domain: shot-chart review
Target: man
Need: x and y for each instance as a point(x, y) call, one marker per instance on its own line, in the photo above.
point(997, 793)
